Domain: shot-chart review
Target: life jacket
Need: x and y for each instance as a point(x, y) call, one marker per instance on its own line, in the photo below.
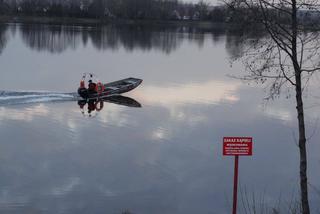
point(99, 88)
point(82, 85)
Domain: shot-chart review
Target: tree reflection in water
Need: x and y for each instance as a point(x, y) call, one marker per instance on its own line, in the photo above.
point(239, 40)
point(58, 38)
point(145, 37)
point(52, 38)
point(3, 37)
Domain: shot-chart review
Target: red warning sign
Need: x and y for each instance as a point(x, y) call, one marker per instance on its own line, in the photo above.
point(237, 146)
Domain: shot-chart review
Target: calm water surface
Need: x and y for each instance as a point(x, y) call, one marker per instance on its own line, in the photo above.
point(165, 157)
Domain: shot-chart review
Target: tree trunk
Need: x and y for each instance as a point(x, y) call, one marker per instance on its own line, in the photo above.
point(302, 130)
point(302, 147)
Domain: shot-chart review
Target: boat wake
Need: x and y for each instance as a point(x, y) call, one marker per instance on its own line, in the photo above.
point(26, 97)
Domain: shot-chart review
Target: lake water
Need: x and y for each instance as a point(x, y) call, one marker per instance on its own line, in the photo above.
point(163, 157)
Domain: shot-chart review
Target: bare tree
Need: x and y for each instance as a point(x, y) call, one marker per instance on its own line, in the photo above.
point(203, 8)
point(288, 58)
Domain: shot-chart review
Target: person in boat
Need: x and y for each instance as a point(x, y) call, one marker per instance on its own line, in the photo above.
point(92, 87)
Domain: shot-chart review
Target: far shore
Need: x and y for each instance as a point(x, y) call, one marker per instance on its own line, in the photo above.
point(92, 21)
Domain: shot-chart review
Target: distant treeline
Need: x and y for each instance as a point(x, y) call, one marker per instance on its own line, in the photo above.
point(115, 9)
point(144, 10)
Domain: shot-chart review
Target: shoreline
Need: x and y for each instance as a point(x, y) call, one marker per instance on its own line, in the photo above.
point(93, 21)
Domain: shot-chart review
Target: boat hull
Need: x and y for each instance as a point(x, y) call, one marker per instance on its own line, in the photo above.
point(112, 88)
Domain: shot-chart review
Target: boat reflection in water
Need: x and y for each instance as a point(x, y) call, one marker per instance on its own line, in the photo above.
point(90, 107)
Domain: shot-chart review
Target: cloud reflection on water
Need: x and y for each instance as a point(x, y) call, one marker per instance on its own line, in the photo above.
point(210, 92)
point(24, 114)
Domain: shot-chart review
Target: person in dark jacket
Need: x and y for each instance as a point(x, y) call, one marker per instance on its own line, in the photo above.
point(92, 87)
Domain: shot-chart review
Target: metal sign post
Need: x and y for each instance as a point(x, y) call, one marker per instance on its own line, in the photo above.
point(235, 184)
point(236, 146)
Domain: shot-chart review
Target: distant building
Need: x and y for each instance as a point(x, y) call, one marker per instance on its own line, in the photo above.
point(186, 18)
